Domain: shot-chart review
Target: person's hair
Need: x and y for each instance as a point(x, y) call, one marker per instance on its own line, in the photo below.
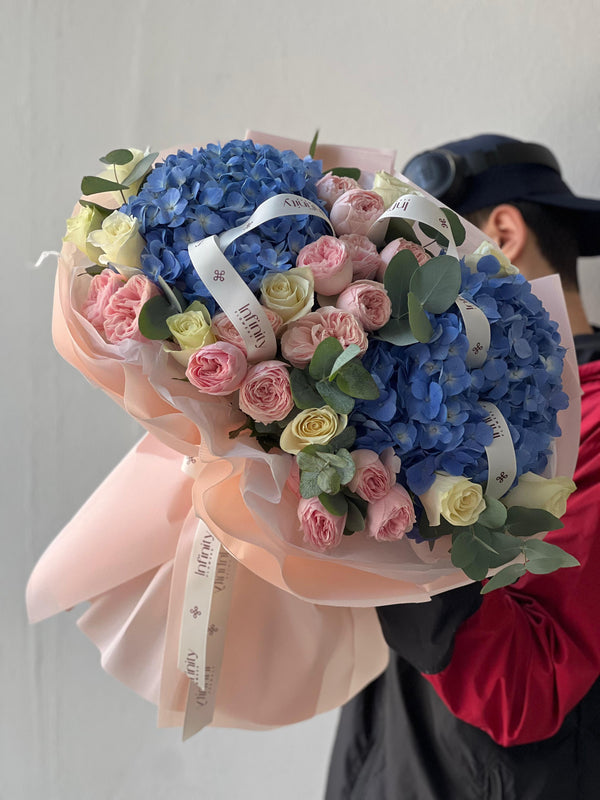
point(553, 231)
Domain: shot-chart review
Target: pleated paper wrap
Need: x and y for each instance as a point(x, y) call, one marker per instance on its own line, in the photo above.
point(298, 618)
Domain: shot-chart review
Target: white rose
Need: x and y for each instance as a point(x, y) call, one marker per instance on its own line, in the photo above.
point(312, 426)
point(457, 499)
point(533, 491)
point(119, 240)
point(489, 249)
point(390, 188)
point(79, 228)
point(118, 172)
point(290, 294)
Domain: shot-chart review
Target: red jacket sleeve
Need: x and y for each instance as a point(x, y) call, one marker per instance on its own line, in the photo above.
point(532, 651)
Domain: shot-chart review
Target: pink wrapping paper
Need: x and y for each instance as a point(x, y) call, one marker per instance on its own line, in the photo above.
point(298, 618)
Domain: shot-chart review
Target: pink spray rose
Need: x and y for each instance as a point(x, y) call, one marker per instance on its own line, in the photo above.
point(373, 479)
point(102, 288)
point(265, 393)
point(123, 309)
point(330, 187)
point(302, 336)
point(391, 517)
point(363, 255)
point(321, 529)
point(368, 301)
point(329, 261)
point(355, 211)
point(217, 368)
point(395, 247)
point(225, 330)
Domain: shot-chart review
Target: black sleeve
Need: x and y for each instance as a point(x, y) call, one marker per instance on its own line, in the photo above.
point(423, 633)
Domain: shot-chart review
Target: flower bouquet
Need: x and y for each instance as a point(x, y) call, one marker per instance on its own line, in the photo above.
point(368, 396)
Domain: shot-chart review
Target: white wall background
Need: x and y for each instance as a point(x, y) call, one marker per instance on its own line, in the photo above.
point(79, 78)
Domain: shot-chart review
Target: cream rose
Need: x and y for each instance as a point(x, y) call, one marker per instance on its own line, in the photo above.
point(312, 426)
point(533, 491)
point(457, 499)
point(119, 239)
point(119, 172)
point(79, 228)
point(191, 329)
point(290, 294)
point(489, 249)
point(390, 188)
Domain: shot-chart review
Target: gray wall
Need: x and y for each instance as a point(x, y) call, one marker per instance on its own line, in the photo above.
point(79, 78)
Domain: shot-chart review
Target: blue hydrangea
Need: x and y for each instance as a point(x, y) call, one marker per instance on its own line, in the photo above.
point(193, 195)
point(438, 423)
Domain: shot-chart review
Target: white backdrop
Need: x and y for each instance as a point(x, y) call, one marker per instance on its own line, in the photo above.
point(80, 78)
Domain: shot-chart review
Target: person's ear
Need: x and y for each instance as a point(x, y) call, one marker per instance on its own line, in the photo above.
point(507, 227)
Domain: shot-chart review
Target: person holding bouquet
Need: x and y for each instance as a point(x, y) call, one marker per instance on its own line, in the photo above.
point(497, 696)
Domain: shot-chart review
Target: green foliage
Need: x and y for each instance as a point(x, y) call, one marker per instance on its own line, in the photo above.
point(522, 521)
point(400, 229)
point(303, 390)
point(118, 157)
point(505, 577)
point(434, 234)
point(543, 557)
point(323, 471)
point(456, 226)
point(101, 209)
point(324, 358)
point(436, 283)
point(419, 323)
point(313, 144)
point(334, 503)
point(355, 520)
point(345, 172)
point(398, 332)
point(92, 184)
point(494, 514)
point(334, 397)
point(152, 320)
point(397, 279)
point(141, 169)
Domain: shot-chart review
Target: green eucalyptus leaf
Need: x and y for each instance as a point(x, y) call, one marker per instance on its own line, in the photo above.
point(456, 226)
point(478, 568)
point(358, 501)
point(482, 538)
point(334, 503)
point(398, 332)
point(105, 212)
point(543, 557)
point(419, 324)
point(400, 229)
point(345, 172)
point(437, 283)
point(506, 546)
point(355, 521)
point(347, 469)
point(316, 448)
point(328, 480)
point(152, 320)
point(354, 380)
point(397, 278)
point(118, 157)
point(494, 515)
point(434, 234)
point(324, 358)
point(308, 462)
point(313, 144)
point(96, 269)
point(522, 521)
point(332, 459)
point(304, 393)
point(505, 577)
point(344, 439)
point(92, 184)
point(334, 397)
point(140, 170)
point(427, 531)
point(349, 353)
point(309, 486)
point(463, 550)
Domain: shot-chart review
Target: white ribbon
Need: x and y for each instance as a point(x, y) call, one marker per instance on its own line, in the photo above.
point(502, 462)
point(201, 699)
point(419, 209)
point(477, 330)
point(229, 289)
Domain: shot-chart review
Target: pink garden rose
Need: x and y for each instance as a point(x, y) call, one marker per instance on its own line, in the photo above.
point(330, 187)
point(302, 336)
point(265, 393)
point(368, 301)
point(329, 261)
point(123, 309)
point(217, 368)
point(363, 255)
point(355, 211)
point(102, 288)
point(320, 529)
point(395, 247)
point(225, 330)
point(391, 517)
point(373, 479)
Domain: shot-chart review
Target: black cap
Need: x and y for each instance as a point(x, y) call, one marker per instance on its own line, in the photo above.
point(486, 170)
